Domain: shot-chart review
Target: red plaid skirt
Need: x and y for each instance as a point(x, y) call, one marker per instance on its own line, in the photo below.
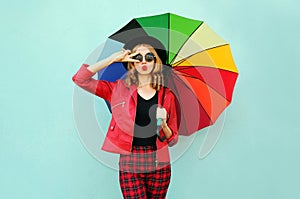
point(141, 176)
point(142, 159)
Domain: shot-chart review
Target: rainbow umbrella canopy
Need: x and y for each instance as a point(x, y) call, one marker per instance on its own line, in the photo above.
point(199, 66)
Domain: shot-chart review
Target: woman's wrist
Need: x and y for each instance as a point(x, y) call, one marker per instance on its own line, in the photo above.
point(111, 59)
point(167, 131)
point(163, 123)
point(101, 64)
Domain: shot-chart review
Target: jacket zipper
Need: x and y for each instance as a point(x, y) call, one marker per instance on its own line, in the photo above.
point(133, 121)
point(121, 103)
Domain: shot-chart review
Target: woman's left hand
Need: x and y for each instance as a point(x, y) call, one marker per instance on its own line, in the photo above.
point(161, 113)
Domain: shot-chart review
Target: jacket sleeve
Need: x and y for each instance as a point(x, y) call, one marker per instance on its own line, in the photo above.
point(83, 78)
point(172, 120)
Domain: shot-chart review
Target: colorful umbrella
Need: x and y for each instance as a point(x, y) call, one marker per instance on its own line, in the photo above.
point(201, 71)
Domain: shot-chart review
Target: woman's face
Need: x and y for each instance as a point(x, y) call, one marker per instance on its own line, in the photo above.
point(143, 67)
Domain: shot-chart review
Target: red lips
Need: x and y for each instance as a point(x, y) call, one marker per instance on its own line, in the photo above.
point(144, 68)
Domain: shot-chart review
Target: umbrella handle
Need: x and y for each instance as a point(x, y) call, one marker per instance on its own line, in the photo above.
point(161, 138)
point(158, 122)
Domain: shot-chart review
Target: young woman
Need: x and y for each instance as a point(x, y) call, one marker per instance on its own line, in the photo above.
point(136, 103)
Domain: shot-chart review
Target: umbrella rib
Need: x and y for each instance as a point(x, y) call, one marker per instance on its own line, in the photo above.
point(180, 68)
point(184, 59)
point(190, 76)
point(178, 92)
point(186, 41)
point(211, 122)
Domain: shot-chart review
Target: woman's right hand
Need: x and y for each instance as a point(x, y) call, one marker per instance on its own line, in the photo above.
point(123, 56)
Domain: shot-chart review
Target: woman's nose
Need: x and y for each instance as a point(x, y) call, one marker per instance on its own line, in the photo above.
point(144, 60)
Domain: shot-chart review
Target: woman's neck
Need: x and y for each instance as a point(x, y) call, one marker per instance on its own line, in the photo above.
point(145, 89)
point(144, 80)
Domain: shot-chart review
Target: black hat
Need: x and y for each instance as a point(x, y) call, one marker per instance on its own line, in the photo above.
point(155, 43)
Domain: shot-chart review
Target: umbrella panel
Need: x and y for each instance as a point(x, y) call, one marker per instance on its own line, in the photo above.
point(128, 32)
point(221, 81)
point(218, 57)
point(187, 103)
point(211, 101)
point(172, 24)
point(203, 38)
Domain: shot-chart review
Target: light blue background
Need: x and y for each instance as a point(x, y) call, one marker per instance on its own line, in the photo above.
point(43, 43)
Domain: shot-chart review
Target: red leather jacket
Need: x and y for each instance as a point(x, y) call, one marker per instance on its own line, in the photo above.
point(123, 105)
